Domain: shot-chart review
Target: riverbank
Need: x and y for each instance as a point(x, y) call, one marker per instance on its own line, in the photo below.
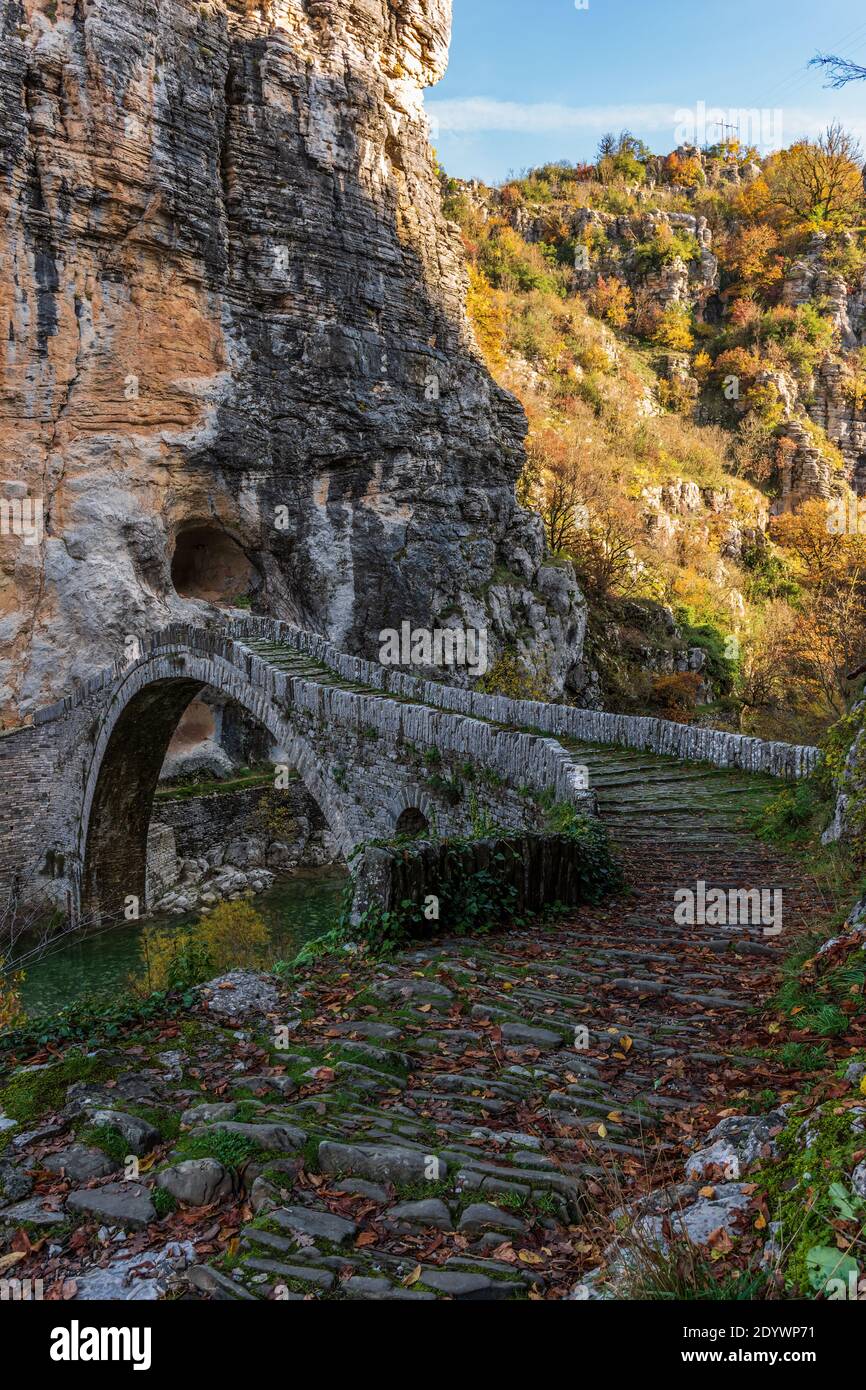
point(98, 966)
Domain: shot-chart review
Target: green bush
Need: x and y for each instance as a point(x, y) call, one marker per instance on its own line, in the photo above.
point(662, 249)
point(601, 871)
point(721, 668)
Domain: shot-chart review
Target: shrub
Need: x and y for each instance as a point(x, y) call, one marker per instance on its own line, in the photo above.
point(611, 300)
point(11, 1008)
point(487, 314)
point(720, 667)
point(665, 247)
point(510, 263)
point(232, 936)
point(593, 358)
point(676, 696)
point(674, 329)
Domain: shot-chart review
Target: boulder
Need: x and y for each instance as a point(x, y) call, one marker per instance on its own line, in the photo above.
point(196, 1182)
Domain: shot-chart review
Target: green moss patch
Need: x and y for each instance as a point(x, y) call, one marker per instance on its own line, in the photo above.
point(31, 1094)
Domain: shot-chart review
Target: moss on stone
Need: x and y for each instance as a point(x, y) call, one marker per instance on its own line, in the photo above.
point(798, 1185)
point(33, 1093)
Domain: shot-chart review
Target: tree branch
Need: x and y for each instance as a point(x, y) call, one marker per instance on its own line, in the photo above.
point(840, 71)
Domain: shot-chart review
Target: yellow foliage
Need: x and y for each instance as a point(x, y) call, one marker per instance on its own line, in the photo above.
point(818, 182)
point(508, 676)
point(674, 329)
point(702, 366)
point(593, 358)
point(487, 316)
point(11, 1009)
point(233, 936)
point(611, 300)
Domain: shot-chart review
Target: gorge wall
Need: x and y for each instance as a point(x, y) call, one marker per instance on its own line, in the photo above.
point(235, 366)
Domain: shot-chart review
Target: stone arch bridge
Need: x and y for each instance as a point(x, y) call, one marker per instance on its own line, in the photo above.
point(370, 743)
point(78, 784)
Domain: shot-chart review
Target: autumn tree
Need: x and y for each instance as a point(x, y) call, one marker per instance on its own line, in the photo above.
point(611, 300)
point(753, 255)
point(586, 516)
point(818, 182)
point(829, 637)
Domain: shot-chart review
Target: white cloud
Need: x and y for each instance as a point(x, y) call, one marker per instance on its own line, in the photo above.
point(471, 115)
point(476, 115)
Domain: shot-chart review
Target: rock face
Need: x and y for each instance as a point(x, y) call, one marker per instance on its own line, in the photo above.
point(235, 359)
point(692, 284)
point(848, 819)
point(831, 402)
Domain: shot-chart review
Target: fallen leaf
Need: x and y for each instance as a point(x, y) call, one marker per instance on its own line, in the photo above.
point(720, 1242)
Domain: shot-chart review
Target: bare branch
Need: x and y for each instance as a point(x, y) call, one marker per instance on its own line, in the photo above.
point(840, 71)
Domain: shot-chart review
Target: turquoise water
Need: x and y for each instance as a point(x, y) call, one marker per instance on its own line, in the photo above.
point(296, 910)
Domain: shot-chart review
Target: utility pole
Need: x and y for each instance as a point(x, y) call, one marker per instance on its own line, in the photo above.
point(727, 132)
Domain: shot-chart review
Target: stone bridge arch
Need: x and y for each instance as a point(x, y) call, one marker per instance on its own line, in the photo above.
point(129, 749)
point(374, 748)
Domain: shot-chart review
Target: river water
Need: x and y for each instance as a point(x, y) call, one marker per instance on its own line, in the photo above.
point(296, 910)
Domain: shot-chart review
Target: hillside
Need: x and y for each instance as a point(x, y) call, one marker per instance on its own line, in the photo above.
point(686, 336)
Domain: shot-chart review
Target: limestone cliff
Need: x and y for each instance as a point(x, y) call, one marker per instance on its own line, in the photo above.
point(232, 332)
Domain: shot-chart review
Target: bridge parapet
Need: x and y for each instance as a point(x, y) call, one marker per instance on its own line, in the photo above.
point(685, 741)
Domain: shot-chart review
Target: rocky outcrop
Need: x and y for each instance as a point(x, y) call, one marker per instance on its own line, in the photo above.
point(849, 822)
point(615, 242)
point(810, 278)
point(235, 361)
point(830, 401)
point(681, 501)
point(837, 407)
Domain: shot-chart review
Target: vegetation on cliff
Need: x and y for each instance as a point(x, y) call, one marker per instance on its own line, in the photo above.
point(675, 328)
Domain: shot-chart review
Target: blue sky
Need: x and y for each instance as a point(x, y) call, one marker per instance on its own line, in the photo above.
point(537, 80)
